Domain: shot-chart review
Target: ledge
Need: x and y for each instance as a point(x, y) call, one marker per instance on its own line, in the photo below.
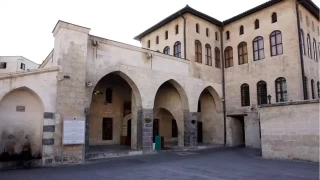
point(27, 73)
point(291, 103)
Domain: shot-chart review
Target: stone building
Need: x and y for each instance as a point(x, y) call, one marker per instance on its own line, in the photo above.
point(195, 80)
point(10, 64)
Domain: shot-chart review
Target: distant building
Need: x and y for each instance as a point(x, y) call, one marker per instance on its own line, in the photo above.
point(9, 64)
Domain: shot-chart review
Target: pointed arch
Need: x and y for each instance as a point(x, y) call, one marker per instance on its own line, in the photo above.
point(241, 30)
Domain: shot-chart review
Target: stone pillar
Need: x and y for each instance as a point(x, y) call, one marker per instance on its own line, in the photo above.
point(145, 130)
point(49, 127)
point(190, 129)
point(70, 54)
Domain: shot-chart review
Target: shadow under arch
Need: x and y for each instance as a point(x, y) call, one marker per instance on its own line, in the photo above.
point(215, 95)
point(181, 91)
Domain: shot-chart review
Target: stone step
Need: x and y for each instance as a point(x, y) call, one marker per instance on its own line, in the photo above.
point(101, 155)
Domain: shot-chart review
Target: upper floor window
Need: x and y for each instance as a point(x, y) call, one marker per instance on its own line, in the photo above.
point(197, 28)
point(198, 51)
point(302, 43)
point(306, 86)
point(245, 95)
point(216, 36)
point(22, 66)
point(3, 65)
point(258, 48)
point(177, 49)
point(228, 54)
point(241, 31)
point(228, 35)
point(274, 18)
point(276, 43)
point(166, 35)
point(217, 57)
point(109, 95)
point(256, 24)
point(312, 89)
point(262, 92)
point(207, 32)
point(208, 55)
point(318, 89)
point(315, 54)
point(242, 53)
point(157, 40)
point(307, 21)
point(166, 50)
point(312, 25)
point(281, 90)
point(177, 29)
point(148, 43)
point(300, 16)
point(309, 46)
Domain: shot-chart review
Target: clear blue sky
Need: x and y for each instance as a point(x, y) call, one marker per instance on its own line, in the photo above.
point(26, 25)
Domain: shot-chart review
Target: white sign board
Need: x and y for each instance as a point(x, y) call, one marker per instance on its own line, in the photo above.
point(73, 132)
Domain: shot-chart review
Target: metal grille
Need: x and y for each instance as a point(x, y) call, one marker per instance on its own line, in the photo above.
point(243, 53)
point(276, 43)
point(228, 53)
point(177, 49)
point(166, 50)
point(262, 92)
point(281, 90)
point(258, 48)
point(245, 95)
point(312, 89)
point(217, 57)
point(208, 55)
point(306, 85)
point(198, 51)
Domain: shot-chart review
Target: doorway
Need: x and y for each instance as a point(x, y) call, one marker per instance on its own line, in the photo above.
point(128, 133)
point(199, 132)
point(239, 132)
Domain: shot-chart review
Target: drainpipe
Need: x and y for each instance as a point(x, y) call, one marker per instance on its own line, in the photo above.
point(184, 36)
point(301, 52)
point(223, 87)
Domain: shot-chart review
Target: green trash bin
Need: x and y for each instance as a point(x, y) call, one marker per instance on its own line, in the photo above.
point(158, 143)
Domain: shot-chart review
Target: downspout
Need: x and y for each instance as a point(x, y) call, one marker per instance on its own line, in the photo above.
point(301, 54)
point(184, 36)
point(223, 88)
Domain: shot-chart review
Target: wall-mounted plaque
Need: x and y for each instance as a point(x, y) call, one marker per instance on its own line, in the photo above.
point(73, 131)
point(20, 108)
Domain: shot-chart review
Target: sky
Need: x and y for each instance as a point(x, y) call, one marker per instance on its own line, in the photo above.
point(26, 25)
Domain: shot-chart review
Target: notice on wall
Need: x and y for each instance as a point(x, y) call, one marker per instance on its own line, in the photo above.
point(73, 131)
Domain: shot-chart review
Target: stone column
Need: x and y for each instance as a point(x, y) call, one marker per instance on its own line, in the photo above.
point(190, 129)
point(145, 130)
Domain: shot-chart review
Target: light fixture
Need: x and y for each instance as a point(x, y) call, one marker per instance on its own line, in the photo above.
point(97, 92)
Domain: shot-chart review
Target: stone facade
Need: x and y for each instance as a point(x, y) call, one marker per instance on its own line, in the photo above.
point(72, 82)
point(291, 130)
point(10, 64)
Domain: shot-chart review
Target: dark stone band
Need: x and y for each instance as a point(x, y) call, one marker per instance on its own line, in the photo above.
point(49, 128)
point(48, 115)
point(48, 141)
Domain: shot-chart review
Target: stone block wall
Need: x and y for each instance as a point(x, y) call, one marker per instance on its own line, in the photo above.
point(290, 130)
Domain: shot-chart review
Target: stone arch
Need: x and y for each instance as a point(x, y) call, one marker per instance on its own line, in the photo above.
point(216, 97)
point(21, 118)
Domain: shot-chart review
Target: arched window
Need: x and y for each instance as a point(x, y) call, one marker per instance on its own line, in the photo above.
point(166, 50)
point(245, 95)
point(217, 36)
point(256, 24)
point(228, 35)
point(312, 25)
point(242, 53)
point(315, 54)
point(197, 28)
point(276, 43)
point(307, 21)
point(177, 29)
point(166, 35)
point(306, 85)
point(148, 43)
point(198, 51)
point(207, 32)
point(300, 16)
point(281, 90)
point(208, 55)
point(217, 57)
point(109, 95)
point(258, 48)
point(241, 31)
point(177, 49)
point(157, 40)
point(302, 42)
point(312, 89)
point(274, 17)
point(228, 54)
point(318, 89)
point(309, 46)
point(262, 92)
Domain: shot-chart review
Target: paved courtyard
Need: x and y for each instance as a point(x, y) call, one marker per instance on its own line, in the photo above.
point(217, 164)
